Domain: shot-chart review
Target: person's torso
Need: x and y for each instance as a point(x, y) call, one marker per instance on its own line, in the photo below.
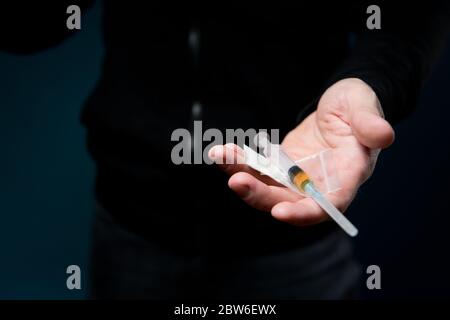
point(230, 67)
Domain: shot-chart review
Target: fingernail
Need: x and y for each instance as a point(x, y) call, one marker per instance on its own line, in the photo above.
point(212, 153)
point(278, 212)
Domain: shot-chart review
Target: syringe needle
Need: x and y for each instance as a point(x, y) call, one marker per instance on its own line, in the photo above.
point(330, 209)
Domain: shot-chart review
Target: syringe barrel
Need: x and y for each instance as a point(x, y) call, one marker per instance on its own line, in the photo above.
point(274, 152)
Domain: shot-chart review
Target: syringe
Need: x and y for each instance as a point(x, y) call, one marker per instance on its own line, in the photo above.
point(302, 182)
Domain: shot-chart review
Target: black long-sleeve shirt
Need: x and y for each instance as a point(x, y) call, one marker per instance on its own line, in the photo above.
point(271, 60)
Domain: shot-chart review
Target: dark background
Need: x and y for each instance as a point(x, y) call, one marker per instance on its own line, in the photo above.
point(46, 180)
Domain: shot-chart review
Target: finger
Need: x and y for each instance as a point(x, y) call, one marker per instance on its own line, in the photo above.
point(371, 129)
point(231, 159)
point(258, 194)
point(300, 213)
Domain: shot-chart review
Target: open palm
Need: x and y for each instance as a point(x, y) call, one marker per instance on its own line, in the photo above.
point(348, 120)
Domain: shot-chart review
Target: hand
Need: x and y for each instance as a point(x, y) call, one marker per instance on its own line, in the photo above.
point(349, 121)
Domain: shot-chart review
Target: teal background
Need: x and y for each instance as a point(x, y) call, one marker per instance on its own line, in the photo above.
point(46, 175)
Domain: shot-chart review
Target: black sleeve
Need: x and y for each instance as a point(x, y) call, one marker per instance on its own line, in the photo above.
point(395, 60)
point(31, 26)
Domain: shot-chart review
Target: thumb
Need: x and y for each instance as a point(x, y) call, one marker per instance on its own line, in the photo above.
point(371, 129)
